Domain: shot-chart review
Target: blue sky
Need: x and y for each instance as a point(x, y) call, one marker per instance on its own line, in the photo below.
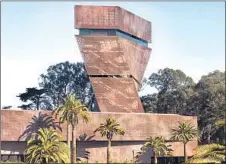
point(186, 35)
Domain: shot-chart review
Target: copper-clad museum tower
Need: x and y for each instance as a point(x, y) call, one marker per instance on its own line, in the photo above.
point(114, 46)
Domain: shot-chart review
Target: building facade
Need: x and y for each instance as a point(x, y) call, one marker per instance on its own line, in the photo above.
point(114, 46)
point(17, 125)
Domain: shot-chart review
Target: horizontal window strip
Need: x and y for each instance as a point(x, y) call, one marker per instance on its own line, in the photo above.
point(113, 32)
point(115, 76)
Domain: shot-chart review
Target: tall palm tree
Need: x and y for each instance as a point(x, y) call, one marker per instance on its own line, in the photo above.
point(72, 111)
point(109, 128)
point(184, 133)
point(210, 153)
point(60, 111)
point(158, 146)
point(45, 147)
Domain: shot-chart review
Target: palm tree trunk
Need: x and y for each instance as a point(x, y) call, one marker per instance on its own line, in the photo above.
point(109, 151)
point(155, 159)
point(68, 139)
point(185, 153)
point(74, 155)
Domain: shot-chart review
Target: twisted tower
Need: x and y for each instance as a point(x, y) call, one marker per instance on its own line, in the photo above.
point(114, 46)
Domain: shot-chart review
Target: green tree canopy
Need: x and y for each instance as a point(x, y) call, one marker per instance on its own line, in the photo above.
point(174, 89)
point(178, 94)
point(208, 103)
point(65, 79)
point(168, 79)
point(35, 97)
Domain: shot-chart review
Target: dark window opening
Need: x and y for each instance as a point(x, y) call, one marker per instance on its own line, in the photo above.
point(118, 76)
point(169, 160)
point(112, 32)
point(12, 157)
point(115, 76)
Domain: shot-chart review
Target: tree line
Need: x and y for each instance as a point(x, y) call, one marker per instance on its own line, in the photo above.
point(176, 93)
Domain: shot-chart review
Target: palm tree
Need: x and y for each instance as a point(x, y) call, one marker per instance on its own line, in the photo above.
point(72, 111)
point(158, 146)
point(184, 133)
point(60, 111)
point(210, 153)
point(45, 147)
point(109, 128)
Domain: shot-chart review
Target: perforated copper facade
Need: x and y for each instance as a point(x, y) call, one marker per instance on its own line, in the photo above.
point(116, 94)
point(103, 55)
point(112, 17)
point(136, 57)
point(113, 55)
point(137, 126)
point(106, 55)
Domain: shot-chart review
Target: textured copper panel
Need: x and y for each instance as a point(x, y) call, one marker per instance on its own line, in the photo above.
point(102, 55)
point(97, 17)
point(137, 126)
point(112, 17)
point(116, 94)
point(136, 56)
point(135, 25)
point(136, 84)
point(113, 55)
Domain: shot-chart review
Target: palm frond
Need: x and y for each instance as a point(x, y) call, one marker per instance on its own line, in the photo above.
point(209, 153)
point(47, 147)
point(72, 111)
point(157, 144)
point(109, 128)
point(184, 132)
